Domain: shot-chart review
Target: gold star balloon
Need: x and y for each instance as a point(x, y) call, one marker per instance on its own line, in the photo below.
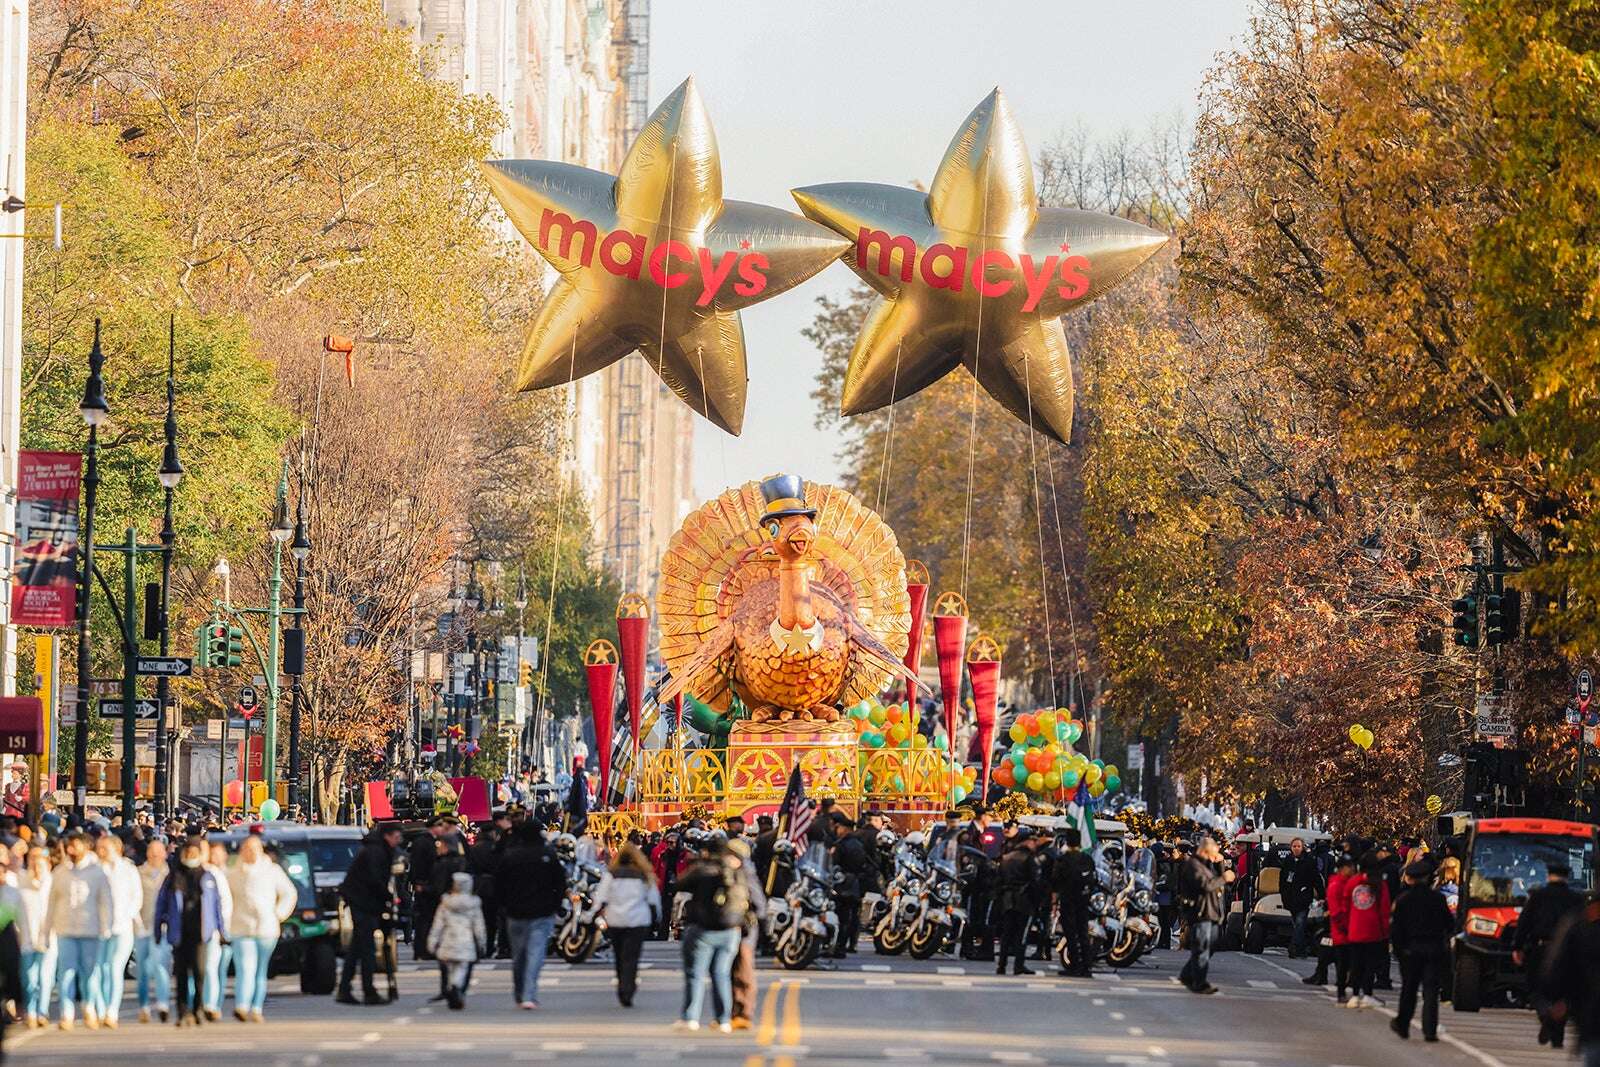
point(974, 273)
point(655, 259)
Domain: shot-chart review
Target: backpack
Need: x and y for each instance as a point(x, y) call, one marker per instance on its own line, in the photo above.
point(722, 902)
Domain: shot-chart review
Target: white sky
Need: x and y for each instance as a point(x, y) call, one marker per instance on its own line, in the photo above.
point(811, 91)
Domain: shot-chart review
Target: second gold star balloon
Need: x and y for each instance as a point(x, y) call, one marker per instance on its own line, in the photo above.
point(974, 273)
point(655, 259)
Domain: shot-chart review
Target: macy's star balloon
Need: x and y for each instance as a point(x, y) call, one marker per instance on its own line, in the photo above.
point(654, 259)
point(974, 272)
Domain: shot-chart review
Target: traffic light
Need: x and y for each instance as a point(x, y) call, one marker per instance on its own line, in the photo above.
point(1502, 617)
point(1465, 621)
point(235, 652)
point(525, 673)
point(214, 650)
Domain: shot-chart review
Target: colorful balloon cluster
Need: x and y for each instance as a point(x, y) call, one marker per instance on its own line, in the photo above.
point(899, 727)
point(1041, 760)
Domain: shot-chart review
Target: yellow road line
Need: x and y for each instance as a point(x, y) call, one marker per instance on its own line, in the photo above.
point(767, 1029)
point(791, 1016)
point(783, 1061)
point(753, 1060)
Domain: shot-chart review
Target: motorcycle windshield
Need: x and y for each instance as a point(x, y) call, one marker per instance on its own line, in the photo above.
point(946, 854)
point(1143, 861)
point(817, 862)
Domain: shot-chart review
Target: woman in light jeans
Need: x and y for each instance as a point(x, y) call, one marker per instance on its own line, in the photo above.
point(152, 957)
point(80, 918)
point(219, 950)
point(263, 897)
point(34, 939)
point(127, 902)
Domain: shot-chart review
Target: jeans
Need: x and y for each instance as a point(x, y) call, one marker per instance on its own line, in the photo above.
point(708, 952)
point(1420, 970)
point(1366, 959)
point(1297, 924)
point(627, 942)
point(217, 957)
point(1202, 936)
point(38, 978)
point(252, 955)
point(114, 973)
point(153, 961)
point(530, 939)
point(77, 969)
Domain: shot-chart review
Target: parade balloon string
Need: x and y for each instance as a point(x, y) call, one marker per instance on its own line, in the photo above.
point(555, 541)
point(972, 422)
point(1038, 513)
point(887, 461)
point(1066, 583)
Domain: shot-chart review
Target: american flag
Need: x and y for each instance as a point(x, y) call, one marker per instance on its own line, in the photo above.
point(796, 812)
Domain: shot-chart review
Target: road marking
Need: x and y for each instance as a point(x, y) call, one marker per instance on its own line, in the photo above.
point(1237, 1063)
point(1262, 983)
point(875, 967)
point(452, 1046)
point(904, 1054)
point(339, 1046)
point(371, 1036)
point(404, 1020)
point(1041, 985)
point(424, 1011)
point(563, 1046)
point(791, 1016)
point(1009, 1056)
point(1098, 1002)
point(768, 1027)
point(1135, 1031)
point(1157, 1051)
point(879, 981)
point(952, 970)
point(1117, 1016)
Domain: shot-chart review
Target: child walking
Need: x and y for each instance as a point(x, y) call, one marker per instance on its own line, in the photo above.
point(457, 938)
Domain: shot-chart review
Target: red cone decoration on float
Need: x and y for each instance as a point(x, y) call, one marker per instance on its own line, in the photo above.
point(950, 641)
point(917, 591)
point(983, 668)
point(600, 665)
point(633, 629)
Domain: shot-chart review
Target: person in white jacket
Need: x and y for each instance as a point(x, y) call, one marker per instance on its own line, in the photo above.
point(80, 918)
point(34, 939)
point(630, 903)
point(263, 896)
point(127, 906)
point(152, 957)
point(219, 951)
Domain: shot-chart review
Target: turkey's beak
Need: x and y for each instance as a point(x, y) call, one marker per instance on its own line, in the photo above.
point(800, 537)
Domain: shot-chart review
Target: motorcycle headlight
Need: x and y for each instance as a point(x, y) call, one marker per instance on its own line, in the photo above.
point(1143, 901)
point(1097, 903)
point(817, 899)
point(941, 892)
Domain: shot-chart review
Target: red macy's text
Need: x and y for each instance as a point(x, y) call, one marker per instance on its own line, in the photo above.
point(943, 266)
point(625, 253)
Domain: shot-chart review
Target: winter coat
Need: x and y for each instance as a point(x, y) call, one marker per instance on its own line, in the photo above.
point(151, 879)
point(532, 882)
point(1339, 909)
point(1421, 922)
point(169, 906)
point(127, 897)
point(1200, 883)
point(1546, 907)
point(366, 884)
point(457, 935)
point(630, 900)
point(263, 897)
point(1368, 918)
point(1300, 882)
point(33, 934)
point(80, 900)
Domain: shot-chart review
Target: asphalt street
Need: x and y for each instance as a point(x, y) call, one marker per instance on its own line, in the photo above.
point(870, 1010)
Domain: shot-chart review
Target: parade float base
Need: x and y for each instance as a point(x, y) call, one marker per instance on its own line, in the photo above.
point(750, 777)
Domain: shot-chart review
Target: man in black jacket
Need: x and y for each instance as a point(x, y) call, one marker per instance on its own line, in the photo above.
point(533, 883)
point(852, 860)
point(1420, 930)
point(366, 891)
point(1300, 882)
point(1018, 894)
point(1073, 878)
point(1571, 981)
point(1536, 928)
point(424, 899)
point(1201, 885)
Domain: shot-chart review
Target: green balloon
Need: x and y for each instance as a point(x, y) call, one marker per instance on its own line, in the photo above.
point(1113, 784)
point(270, 810)
point(939, 742)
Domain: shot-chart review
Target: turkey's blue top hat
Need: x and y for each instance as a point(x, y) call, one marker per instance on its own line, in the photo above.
point(786, 495)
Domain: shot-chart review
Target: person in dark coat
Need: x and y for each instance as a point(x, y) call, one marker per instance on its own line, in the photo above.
point(1201, 882)
point(1300, 883)
point(1420, 930)
point(367, 892)
point(1072, 876)
point(1018, 893)
point(1547, 906)
point(1570, 981)
point(483, 863)
point(854, 863)
point(533, 885)
point(981, 844)
point(424, 897)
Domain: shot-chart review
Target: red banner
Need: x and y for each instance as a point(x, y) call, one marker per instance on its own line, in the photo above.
point(22, 725)
point(602, 702)
point(631, 635)
point(918, 592)
point(950, 642)
point(44, 590)
point(985, 677)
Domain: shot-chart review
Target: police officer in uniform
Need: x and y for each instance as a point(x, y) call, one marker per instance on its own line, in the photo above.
point(1073, 879)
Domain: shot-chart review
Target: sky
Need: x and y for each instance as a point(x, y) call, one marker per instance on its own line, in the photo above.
point(808, 91)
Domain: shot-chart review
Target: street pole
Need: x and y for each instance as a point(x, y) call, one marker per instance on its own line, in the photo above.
point(130, 676)
point(93, 408)
point(296, 698)
point(171, 472)
point(280, 532)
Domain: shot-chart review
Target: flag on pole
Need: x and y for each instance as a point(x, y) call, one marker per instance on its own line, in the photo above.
point(796, 812)
point(578, 803)
point(1082, 809)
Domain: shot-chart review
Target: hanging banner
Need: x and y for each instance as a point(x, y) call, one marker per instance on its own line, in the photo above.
point(600, 664)
point(633, 629)
point(949, 642)
point(917, 591)
point(44, 589)
point(983, 669)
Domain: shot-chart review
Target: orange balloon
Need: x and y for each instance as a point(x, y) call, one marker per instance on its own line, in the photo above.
point(892, 713)
point(1030, 723)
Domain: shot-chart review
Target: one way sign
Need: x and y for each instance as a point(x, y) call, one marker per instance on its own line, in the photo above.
point(144, 710)
point(171, 666)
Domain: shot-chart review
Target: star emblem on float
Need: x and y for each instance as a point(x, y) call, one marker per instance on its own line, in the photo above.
point(654, 259)
point(974, 273)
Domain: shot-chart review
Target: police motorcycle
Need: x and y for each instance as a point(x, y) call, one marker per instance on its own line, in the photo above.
point(803, 922)
point(939, 916)
point(894, 912)
point(579, 927)
point(1137, 907)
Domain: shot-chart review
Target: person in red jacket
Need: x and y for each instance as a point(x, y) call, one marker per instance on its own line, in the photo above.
point(1338, 916)
point(1367, 928)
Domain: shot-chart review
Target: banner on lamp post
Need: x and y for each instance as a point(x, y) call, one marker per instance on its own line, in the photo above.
point(600, 665)
point(917, 592)
point(44, 588)
point(633, 630)
point(983, 669)
point(950, 642)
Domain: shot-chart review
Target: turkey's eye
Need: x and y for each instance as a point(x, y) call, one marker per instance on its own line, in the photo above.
point(772, 530)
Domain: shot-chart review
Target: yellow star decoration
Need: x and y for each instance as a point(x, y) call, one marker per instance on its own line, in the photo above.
point(974, 273)
point(654, 259)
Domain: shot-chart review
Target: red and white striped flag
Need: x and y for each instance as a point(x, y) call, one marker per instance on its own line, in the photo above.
point(796, 812)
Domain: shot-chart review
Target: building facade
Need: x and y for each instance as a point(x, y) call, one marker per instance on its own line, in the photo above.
point(571, 78)
point(13, 220)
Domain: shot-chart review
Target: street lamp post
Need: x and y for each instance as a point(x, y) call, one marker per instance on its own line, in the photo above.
point(170, 474)
point(280, 532)
point(300, 549)
point(94, 410)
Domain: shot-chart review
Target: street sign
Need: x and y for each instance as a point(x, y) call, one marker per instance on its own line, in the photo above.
point(1585, 689)
point(143, 710)
point(171, 666)
point(213, 729)
point(247, 696)
point(1493, 718)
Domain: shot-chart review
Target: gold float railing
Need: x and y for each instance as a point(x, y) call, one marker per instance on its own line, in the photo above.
point(894, 777)
point(888, 778)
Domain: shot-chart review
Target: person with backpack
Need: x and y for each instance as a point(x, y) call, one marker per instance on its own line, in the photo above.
point(532, 884)
point(713, 920)
point(457, 938)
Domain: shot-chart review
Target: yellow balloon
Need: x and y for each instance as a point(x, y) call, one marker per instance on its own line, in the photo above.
point(1366, 738)
point(1112, 772)
point(1355, 733)
point(1017, 733)
point(1097, 789)
point(1434, 805)
point(1047, 722)
point(1036, 782)
point(919, 742)
point(1092, 774)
